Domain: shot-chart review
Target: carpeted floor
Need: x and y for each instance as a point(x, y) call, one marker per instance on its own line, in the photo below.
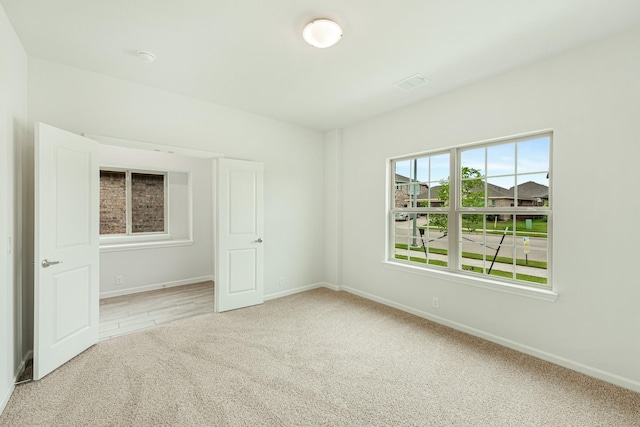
point(316, 358)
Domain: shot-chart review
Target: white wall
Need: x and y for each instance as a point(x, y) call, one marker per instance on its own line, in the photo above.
point(590, 97)
point(85, 102)
point(332, 206)
point(154, 268)
point(13, 117)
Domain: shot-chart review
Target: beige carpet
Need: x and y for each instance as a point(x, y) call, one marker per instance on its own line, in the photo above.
point(317, 358)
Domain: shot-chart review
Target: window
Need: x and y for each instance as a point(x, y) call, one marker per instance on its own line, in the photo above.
point(479, 210)
point(132, 202)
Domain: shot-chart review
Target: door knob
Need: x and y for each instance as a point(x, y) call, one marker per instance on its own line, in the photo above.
point(46, 263)
point(258, 241)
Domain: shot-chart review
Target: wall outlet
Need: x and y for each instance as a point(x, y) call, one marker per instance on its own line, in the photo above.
point(281, 282)
point(119, 280)
point(435, 302)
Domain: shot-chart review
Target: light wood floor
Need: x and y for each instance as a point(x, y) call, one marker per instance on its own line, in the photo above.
point(131, 313)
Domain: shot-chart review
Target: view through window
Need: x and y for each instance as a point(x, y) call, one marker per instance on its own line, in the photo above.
point(482, 210)
point(132, 202)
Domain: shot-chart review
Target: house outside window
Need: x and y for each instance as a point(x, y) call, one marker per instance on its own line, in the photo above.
point(482, 210)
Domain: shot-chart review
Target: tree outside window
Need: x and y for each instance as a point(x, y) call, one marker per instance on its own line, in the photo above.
point(497, 194)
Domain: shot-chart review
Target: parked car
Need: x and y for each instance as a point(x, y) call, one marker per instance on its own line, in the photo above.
point(402, 216)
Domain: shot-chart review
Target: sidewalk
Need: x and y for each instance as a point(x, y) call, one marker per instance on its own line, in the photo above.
point(521, 269)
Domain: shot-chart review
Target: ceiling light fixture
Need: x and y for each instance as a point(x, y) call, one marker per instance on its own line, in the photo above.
point(322, 33)
point(146, 56)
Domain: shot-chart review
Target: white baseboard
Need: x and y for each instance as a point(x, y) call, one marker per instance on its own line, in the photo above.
point(332, 287)
point(135, 290)
point(558, 360)
point(7, 396)
point(288, 292)
point(540, 354)
point(16, 374)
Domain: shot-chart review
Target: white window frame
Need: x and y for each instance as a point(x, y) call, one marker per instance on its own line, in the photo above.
point(411, 210)
point(453, 271)
point(129, 235)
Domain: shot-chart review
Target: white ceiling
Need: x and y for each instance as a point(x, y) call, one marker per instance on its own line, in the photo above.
point(249, 54)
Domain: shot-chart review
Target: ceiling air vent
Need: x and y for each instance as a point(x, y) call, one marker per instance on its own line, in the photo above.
point(411, 83)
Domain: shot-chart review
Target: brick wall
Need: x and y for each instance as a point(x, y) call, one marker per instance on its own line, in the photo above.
point(147, 203)
point(113, 203)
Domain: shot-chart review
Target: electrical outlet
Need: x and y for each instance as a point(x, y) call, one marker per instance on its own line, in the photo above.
point(119, 280)
point(281, 282)
point(435, 302)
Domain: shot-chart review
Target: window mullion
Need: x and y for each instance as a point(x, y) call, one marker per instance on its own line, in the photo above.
point(167, 222)
point(516, 203)
point(129, 201)
point(512, 166)
point(454, 204)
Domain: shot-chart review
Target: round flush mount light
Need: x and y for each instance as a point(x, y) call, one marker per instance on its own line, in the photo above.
point(322, 33)
point(146, 56)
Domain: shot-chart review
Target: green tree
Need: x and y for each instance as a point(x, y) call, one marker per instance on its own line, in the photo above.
point(472, 189)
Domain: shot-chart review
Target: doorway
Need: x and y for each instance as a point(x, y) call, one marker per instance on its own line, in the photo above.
point(237, 258)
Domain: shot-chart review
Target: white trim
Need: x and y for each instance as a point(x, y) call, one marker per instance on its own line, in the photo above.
point(117, 247)
point(340, 205)
point(480, 282)
point(5, 399)
point(128, 178)
point(455, 210)
point(114, 239)
point(516, 137)
point(532, 351)
point(150, 146)
point(214, 222)
point(7, 395)
point(130, 241)
point(276, 295)
point(332, 286)
point(156, 286)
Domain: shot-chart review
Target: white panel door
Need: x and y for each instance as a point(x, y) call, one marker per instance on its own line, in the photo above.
point(239, 254)
point(66, 294)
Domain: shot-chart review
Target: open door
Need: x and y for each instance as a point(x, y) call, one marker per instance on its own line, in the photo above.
point(66, 289)
point(239, 250)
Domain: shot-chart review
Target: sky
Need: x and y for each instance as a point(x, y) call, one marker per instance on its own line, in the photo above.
point(504, 164)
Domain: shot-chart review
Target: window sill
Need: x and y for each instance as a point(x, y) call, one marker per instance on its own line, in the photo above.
point(130, 246)
point(510, 288)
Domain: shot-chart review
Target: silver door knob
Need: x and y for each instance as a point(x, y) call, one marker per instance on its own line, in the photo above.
point(46, 263)
point(258, 241)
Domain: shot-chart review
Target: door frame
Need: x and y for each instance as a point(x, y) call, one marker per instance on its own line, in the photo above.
point(150, 146)
point(213, 156)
